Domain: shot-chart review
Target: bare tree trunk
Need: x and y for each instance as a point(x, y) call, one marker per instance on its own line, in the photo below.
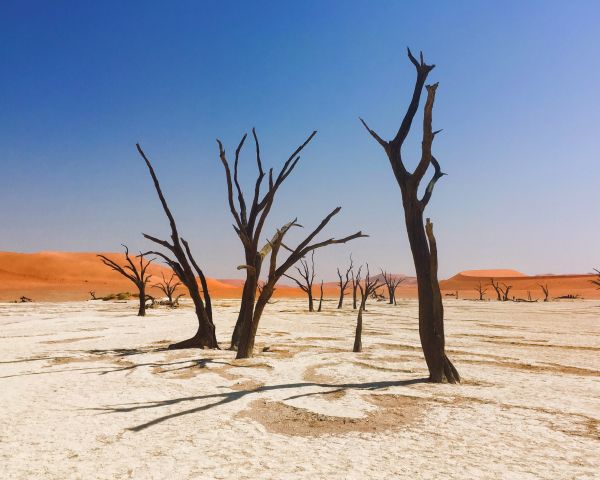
point(311, 307)
point(142, 309)
point(321, 297)
point(358, 333)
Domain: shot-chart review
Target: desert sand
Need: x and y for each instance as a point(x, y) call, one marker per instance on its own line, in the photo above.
point(89, 391)
point(65, 276)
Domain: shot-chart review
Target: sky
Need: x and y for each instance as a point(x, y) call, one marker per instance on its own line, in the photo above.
point(518, 101)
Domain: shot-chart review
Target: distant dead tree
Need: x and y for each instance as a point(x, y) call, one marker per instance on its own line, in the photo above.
point(248, 225)
point(370, 286)
point(24, 299)
point(480, 288)
point(136, 273)
point(93, 295)
point(355, 282)
point(168, 287)
point(343, 281)
point(596, 281)
point(391, 283)
point(320, 297)
point(546, 291)
point(307, 277)
point(182, 266)
point(431, 310)
point(502, 290)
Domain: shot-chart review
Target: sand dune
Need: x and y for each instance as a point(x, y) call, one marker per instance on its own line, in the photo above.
point(62, 276)
point(522, 285)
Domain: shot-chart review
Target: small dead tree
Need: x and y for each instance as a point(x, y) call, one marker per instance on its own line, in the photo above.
point(248, 225)
point(355, 282)
point(136, 273)
point(546, 291)
point(168, 287)
point(343, 281)
point(320, 297)
point(431, 310)
point(391, 284)
point(307, 275)
point(501, 289)
point(93, 295)
point(480, 288)
point(182, 266)
point(596, 281)
point(370, 286)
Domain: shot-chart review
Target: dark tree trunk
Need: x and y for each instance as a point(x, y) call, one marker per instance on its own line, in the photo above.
point(358, 333)
point(321, 297)
point(311, 307)
point(142, 309)
point(341, 300)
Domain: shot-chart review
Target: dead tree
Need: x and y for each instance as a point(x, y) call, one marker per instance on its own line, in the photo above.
point(248, 225)
point(320, 297)
point(136, 273)
point(355, 282)
point(480, 288)
point(370, 286)
point(93, 295)
point(501, 289)
point(545, 290)
point(596, 281)
point(307, 275)
point(168, 287)
point(343, 282)
point(182, 266)
point(431, 312)
point(391, 283)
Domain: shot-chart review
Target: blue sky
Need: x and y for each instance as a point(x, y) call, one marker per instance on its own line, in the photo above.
point(518, 100)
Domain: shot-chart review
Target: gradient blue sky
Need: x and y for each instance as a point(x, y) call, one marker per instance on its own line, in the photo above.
point(519, 100)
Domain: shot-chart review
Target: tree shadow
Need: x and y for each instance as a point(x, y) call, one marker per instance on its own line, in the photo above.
point(228, 397)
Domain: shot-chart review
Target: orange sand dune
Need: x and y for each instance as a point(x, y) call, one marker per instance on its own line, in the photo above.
point(522, 285)
point(498, 273)
point(71, 276)
point(59, 276)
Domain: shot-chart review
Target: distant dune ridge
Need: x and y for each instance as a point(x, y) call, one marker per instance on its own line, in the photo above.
point(63, 276)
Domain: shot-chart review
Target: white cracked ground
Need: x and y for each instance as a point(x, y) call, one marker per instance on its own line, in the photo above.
point(88, 391)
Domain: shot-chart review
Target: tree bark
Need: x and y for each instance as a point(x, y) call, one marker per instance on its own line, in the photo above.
point(142, 309)
point(358, 333)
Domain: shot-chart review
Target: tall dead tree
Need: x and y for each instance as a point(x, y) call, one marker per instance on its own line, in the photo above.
point(343, 281)
point(391, 283)
point(370, 286)
point(545, 290)
point(136, 273)
point(320, 297)
point(307, 276)
point(169, 287)
point(431, 312)
point(248, 225)
point(355, 283)
point(182, 264)
point(480, 288)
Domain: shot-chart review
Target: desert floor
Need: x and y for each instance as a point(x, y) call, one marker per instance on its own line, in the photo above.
point(88, 391)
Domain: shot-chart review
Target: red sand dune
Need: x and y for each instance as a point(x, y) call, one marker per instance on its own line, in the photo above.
point(57, 276)
point(522, 285)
